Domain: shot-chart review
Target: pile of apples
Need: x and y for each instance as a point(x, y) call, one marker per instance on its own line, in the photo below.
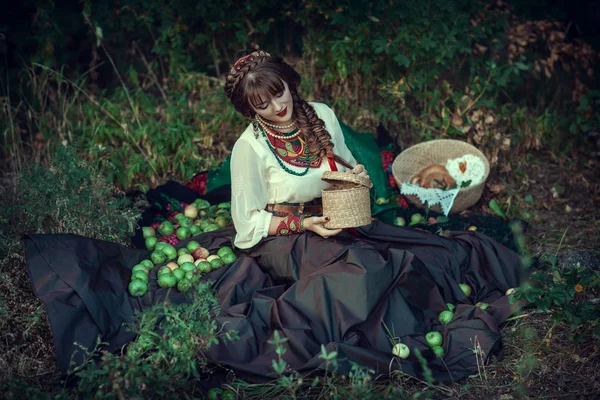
point(184, 266)
point(198, 217)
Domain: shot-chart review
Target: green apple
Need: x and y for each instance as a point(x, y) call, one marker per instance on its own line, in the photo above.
point(433, 338)
point(183, 233)
point(158, 257)
point(400, 221)
point(151, 242)
point(445, 317)
point(164, 270)
point(195, 230)
point(466, 289)
point(187, 266)
point(224, 250)
point(416, 218)
point(482, 305)
point(221, 221)
point(160, 245)
point(193, 245)
point(229, 258)
point(225, 204)
point(201, 203)
point(148, 231)
point(184, 285)
point(204, 266)
point(216, 263)
point(178, 216)
point(204, 224)
point(148, 264)
point(212, 227)
point(140, 267)
point(179, 273)
point(137, 287)
point(166, 228)
point(141, 275)
point(185, 258)
point(212, 257)
point(167, 280)
point(169, 251)
point(183, 251)
point(401, 350)
point(186, 222)
point(438, 351)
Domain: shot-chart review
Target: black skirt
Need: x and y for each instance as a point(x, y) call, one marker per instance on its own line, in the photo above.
point(347, 292)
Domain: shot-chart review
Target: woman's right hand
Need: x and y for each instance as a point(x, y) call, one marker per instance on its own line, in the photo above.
point(315, 224)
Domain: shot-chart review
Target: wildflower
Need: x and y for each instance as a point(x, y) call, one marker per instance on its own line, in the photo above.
point(578, 288)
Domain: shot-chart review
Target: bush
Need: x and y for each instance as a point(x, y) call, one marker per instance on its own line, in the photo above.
point(69, 196)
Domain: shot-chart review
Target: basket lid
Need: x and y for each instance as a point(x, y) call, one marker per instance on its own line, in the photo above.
point(337, 177)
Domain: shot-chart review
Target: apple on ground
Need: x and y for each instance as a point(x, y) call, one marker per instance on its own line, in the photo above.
point(204, 266)
point(401, 350)
point(221, 221)
point(224, 250)
point(445, 317)
point(193, 245)
point(229, 258)
point(166, 228)
point(151, 242)
point(158, 257)
point(212, 227)
point(400, 221)
point(137, 287)
point(438, 351)
point(187, 266)
point(140, 267)
point(214, 393)
point(179, 273)
point(184, 285)
point(183, 233)
point(141, 275)
point(172, 266)
point(216, 263)
point(191, 211)
point(212, 257)
point(169, 251)
point(482, 305)
point(148, 264)
point(200, 253)
point(148, 231)
point(167, 280)
point(183, 251)
point(433, 338)
point(186, 222)
point(185, 258)
point(195, 230)
point(466, 289)
point(164, 270)
point(160, 246)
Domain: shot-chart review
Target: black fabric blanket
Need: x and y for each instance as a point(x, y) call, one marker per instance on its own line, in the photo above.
point(336, 292)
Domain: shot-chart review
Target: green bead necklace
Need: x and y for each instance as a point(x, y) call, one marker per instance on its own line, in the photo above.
point(286, 169)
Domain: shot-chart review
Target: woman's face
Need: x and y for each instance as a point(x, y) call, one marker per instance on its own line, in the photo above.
point(277, 109)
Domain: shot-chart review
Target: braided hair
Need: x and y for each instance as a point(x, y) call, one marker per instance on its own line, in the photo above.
point(261, 79)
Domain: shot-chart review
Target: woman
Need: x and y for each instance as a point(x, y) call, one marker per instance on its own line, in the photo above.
point(280, 157)
point(356, 292)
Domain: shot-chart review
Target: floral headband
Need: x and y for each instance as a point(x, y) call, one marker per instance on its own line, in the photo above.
point(247, 58)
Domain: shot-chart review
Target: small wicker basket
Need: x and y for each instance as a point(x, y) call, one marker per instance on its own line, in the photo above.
point(347, 202)
point(412, 160)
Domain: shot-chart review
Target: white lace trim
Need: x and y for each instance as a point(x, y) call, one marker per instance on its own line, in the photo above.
point(431, 197)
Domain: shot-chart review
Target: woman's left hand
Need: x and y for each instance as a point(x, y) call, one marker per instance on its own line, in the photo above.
point(360, 170)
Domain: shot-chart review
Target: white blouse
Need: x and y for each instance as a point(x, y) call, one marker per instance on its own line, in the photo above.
point(257, 179)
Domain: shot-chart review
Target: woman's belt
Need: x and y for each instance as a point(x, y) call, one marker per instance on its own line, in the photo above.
point(301, 208)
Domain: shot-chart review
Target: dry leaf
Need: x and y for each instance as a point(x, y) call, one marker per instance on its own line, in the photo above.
point(496, 188)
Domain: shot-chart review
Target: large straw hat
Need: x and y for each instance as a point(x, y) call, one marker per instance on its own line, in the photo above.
point(412, 160)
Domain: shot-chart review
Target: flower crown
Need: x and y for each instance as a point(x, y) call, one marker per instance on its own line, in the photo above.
point(243, 60)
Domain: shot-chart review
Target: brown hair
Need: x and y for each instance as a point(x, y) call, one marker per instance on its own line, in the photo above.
point(264, 76)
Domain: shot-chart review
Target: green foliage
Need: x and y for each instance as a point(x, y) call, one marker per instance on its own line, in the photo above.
point(165, 359)
point(70, 196)
point(569, 294)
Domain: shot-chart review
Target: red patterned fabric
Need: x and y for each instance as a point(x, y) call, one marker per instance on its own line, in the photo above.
point(293, 151)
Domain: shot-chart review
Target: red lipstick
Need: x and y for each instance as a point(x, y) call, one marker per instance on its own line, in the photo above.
point(282, 114)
